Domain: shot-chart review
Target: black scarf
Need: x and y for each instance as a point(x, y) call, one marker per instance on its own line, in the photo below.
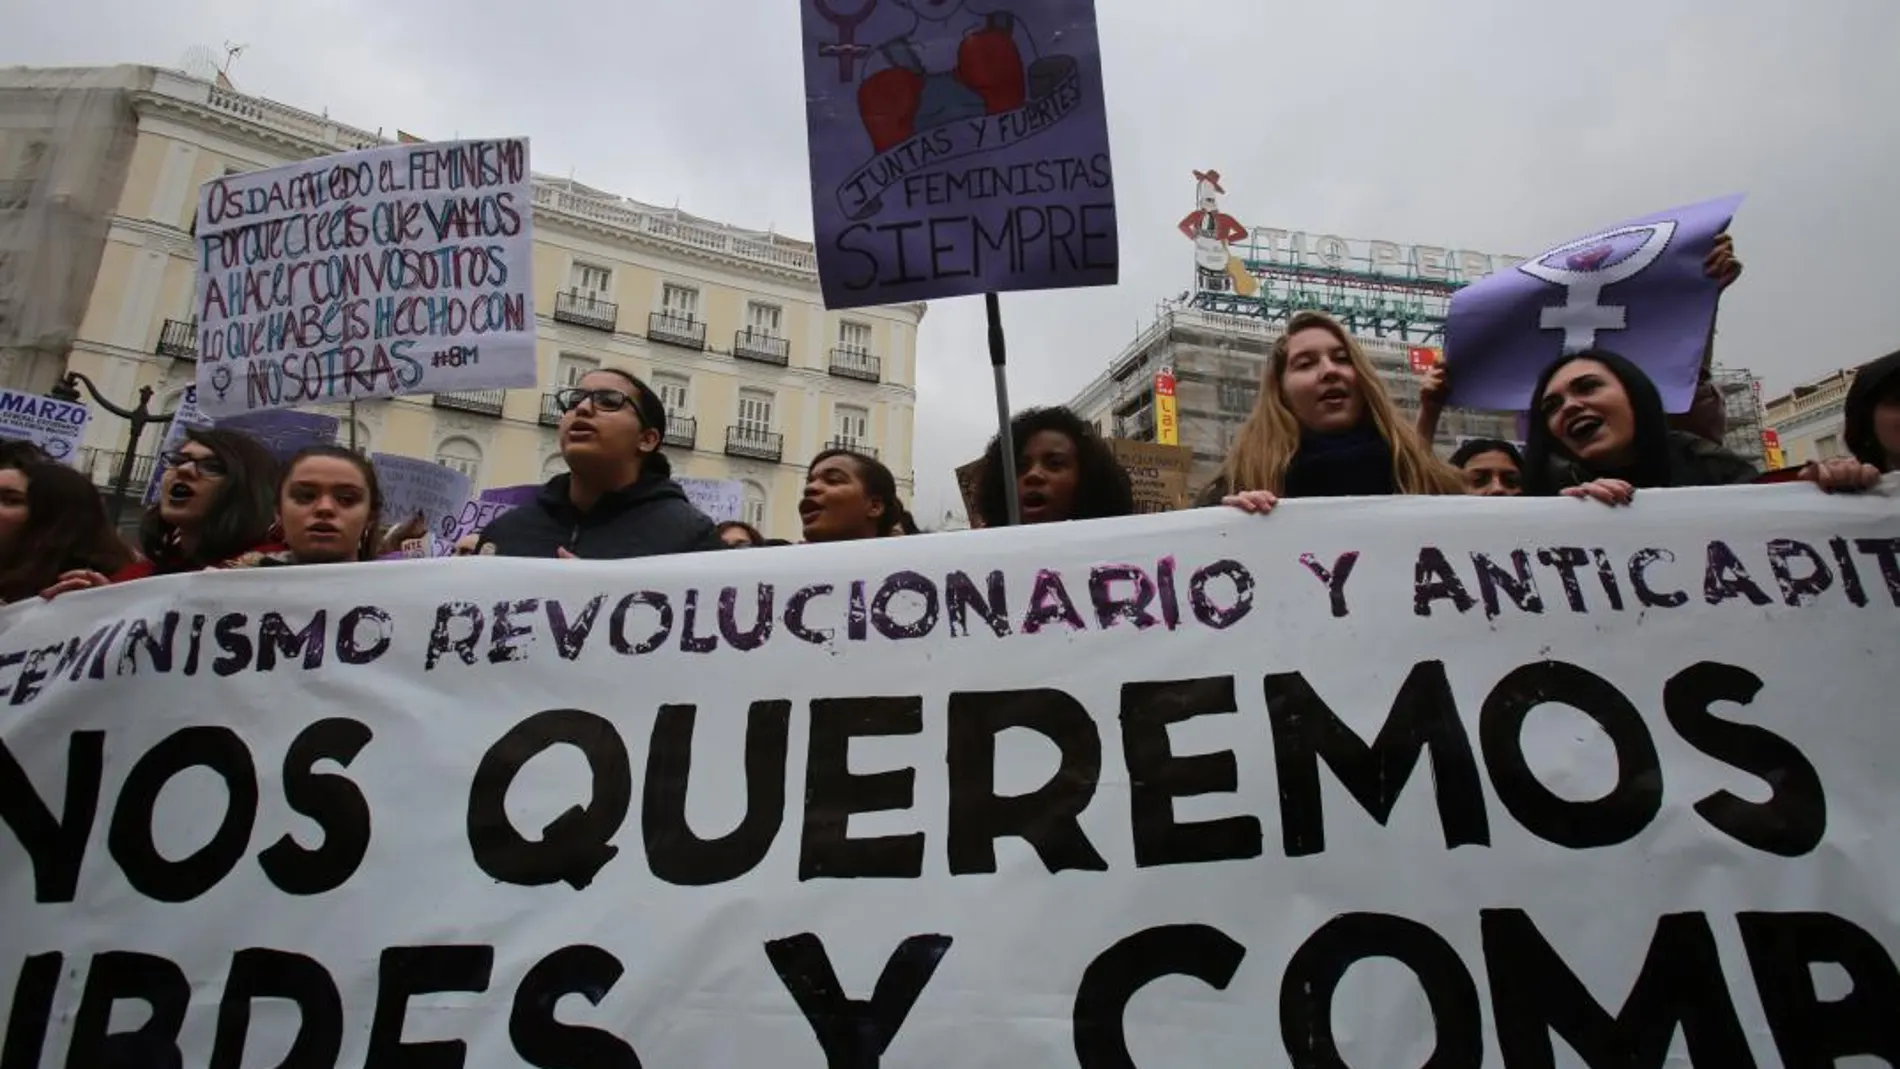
point(1354, 463)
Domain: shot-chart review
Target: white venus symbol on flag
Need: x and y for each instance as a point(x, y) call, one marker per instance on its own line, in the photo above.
point(1584, 267)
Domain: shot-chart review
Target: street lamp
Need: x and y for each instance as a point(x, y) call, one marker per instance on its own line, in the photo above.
point(68, 390)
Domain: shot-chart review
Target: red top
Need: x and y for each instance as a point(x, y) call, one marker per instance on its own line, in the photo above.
point(145, 569)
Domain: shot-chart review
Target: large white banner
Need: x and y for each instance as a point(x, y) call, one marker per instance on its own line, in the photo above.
point(396, 270)
point(1460, 782)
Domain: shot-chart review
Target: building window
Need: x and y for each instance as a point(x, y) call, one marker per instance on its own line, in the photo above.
point(850, 426)
point(1827, 446)
point(755, 412)
point(854, 337)
point(679, 302)
point(569, 370)
point(764, 318)
point(463, 455)
point(1236, 395)
point(673, 391)
point(754, 510)
point(591, 281)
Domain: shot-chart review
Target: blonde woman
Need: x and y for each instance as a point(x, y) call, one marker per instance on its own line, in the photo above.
point(1323, 426)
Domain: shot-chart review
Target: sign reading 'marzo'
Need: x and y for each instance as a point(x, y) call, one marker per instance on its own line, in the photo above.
point(957, 148)
point(1161, 791)
point(389, 271)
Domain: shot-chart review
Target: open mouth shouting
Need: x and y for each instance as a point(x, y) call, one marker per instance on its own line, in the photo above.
point(1582, 429)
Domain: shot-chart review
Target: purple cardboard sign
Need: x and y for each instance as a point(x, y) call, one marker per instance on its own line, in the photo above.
point(284, 431)
point(481, 511)
point(1638, 289)
point(957, 150)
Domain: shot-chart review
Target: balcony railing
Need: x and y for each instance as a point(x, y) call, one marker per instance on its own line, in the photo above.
point(856, 445)
point(178, 338)
point(586, 310)
point(856, 364)
point(682, 431)
point(755, 444)
point(749, 344)
point(550, 411)
point(674, 329)
point(103, 467)
point(482, 402)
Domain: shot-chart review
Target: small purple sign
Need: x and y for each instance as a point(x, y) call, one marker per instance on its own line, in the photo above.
point(956, 149)
point(482, 511)
point(284, 431)
point(1638, 289)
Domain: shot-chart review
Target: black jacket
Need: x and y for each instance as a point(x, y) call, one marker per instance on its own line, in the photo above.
point(650, 518)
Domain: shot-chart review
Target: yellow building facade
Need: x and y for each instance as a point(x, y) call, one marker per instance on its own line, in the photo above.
point(727, 325)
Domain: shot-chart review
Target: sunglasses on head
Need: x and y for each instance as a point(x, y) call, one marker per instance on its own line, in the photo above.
point(206, 465)
point(570, 398)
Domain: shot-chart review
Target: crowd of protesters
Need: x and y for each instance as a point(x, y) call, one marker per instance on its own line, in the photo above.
point(1323, 425)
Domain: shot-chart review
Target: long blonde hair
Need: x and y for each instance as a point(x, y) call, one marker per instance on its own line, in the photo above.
point(1269, 438)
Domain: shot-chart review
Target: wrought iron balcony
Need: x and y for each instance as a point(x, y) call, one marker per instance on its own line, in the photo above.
point(856, 445)
point(682, 431)
point(550, 411)
point(482, 402)
point(749, 344)
point(673, 329)
point(178, 338)
point(586, 310)
point(103, 466)
point(856, 364)
point(755, 444)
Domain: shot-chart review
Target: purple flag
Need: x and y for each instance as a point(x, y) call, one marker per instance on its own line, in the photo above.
point(957, 150)
point(1637, 289)
point(284, 431)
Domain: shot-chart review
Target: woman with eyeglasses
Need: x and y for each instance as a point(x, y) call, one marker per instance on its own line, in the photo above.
point(618, 498)
point(216, 504)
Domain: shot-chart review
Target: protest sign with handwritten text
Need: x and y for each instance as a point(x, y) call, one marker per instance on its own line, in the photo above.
point(957, 151)
point(1461, 783)
point(482, 510)
point(389, 271)
point(1160, 473)
point(411, 485)
point(719, 499)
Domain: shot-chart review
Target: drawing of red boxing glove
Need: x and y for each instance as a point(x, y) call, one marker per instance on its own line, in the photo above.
point(989, 62)
point(888, 100)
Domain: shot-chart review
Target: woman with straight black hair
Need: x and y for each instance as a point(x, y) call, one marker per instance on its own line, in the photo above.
point(51, 522)
point(1064, 471)
point(849, 496)
point(216, 503)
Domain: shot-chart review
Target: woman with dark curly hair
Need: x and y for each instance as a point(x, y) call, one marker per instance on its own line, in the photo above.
point(1064, 471)
point(51, 522)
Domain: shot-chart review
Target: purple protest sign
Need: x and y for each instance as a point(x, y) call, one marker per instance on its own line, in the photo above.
point(957, 151)
point(481, 511)
point(284, 431)
point(1638, 289)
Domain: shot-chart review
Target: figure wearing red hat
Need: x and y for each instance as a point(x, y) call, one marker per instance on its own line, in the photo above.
point(1211, 230)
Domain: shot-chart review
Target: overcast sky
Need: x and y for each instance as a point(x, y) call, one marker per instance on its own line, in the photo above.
point(1493, 125)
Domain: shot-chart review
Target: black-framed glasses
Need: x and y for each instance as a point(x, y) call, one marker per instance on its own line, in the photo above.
point(569, 398)
point(209, 466)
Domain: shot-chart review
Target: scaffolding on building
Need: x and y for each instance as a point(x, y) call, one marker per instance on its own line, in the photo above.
point(64, 154)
